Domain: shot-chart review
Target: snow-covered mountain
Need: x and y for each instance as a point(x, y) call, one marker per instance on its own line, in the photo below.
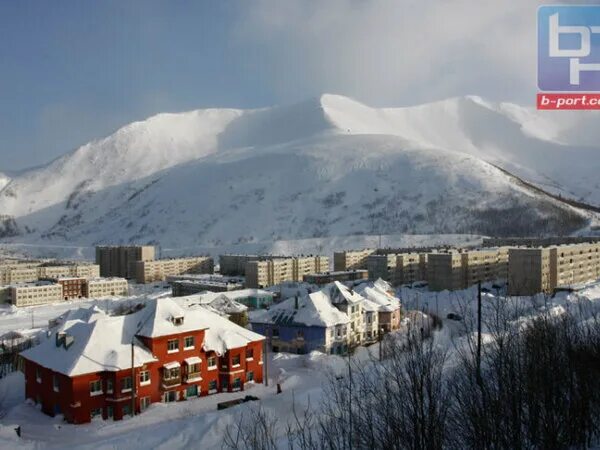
point(325, 167)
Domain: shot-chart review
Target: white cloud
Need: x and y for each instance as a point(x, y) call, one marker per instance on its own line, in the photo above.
point(392, 52)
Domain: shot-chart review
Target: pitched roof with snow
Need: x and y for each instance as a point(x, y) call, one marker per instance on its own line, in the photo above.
point(379, 292)
point(314, 310)
point(339, 293)
point(99, 343)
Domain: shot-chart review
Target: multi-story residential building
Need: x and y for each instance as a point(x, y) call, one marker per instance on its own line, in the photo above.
point(398, 268)
point(4, 294)
point(485, 265)
point(453, 270)
point(105, 287)
point(193, 284)
point(235, 265)
point(445, 271)
point(35, 293)
point(351, 259)
point(529, 271)
point(534, 270)
point(160, 269)
point(261, 274)
point(321, 279)
point(83, 368)
point(381, 294)
point(117, 260)
point(72, 287)
point(30, 273)
point(302, 324)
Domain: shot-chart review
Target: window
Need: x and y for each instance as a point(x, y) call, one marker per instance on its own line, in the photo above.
point(126, 384)
point(212, 386)
point(38, 375)
point(170, 396)
point(55, 383)
point(109, 386)
point(249, 353)
point(250, 376)
point(110, 412)
point(126, 410)
point(171, 374)
point(172, 345)
point(237, 383)
point(212, 362)
point(96, 412)
point(235, 361)
point(300, 334)
point(144, 403)
point(189, 342)
point(275, 332)
point(96, 387)
point(144, 377)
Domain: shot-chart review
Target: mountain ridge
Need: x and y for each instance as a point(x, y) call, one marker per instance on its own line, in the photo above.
point(363, 170)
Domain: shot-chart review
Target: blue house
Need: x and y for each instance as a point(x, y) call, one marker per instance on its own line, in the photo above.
point(303, 324)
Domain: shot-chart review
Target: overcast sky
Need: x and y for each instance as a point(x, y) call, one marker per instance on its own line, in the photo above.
point(73, 71)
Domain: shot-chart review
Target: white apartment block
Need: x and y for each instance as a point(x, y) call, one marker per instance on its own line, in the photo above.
point(37, 293)
point(106, 287)
point(351, 259)
point(160, 269)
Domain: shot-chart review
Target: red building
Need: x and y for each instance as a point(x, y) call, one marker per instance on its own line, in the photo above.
point(72, 287)
point(83, 369)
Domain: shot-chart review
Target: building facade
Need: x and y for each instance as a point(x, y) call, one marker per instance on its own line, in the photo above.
point(261, 274)
point(106, 287)
point(535, 270)
point(35, 293)
point(161, 269)
point(351, 259)
point(83, 368)
point(117, 260)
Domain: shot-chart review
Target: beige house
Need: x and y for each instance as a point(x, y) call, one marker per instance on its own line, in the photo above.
point(117, 260)
point(235, 265)
point(261, 274)
point(485, 265)
point(160, 269)
point(351, 259)
point(36, 293)
point(106, 287)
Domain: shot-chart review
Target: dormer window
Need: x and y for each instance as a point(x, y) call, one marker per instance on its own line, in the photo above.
point(177, 320)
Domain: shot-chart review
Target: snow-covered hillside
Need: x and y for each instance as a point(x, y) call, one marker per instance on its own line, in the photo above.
point(325, 167)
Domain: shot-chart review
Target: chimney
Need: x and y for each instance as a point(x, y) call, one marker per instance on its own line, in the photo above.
point(296, 302)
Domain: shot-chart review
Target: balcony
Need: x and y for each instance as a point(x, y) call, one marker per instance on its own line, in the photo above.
point(191, 377)
point(171, 382)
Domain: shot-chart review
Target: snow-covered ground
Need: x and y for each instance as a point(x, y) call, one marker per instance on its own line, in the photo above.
point(197, 423)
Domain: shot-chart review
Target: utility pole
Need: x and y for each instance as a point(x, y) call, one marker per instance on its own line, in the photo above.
point(479, 332)
point(132, 380)
point(32, 322)
point(349, 399)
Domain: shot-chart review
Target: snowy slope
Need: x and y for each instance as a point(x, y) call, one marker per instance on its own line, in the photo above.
point(325, 167)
